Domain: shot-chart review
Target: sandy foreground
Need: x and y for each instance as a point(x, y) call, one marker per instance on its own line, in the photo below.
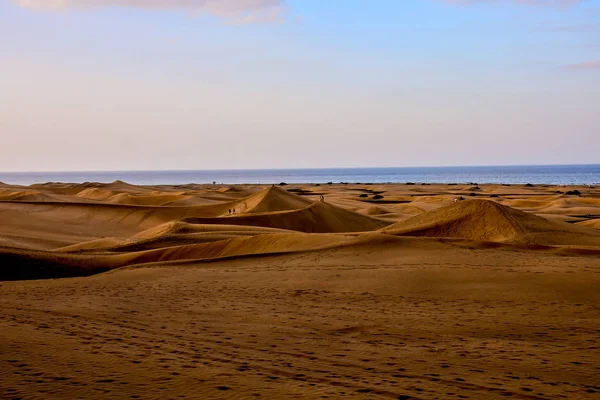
point(375, 291)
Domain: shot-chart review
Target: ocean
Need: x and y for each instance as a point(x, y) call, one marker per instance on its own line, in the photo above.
point(534, 174)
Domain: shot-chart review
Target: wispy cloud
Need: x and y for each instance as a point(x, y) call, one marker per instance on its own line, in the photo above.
point(237, 11)
point(589, 65)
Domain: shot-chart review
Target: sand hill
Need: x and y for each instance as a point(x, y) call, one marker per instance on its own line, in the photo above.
point(269, 200)
point(486, 220)
point(315, 218)
point(170, 234)
point(8, 195)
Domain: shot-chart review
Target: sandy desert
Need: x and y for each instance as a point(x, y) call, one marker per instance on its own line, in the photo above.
point(390, 291)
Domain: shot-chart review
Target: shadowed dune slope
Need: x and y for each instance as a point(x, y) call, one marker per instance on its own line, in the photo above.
point(486, 220)
point(316, 218)
point(19, 264)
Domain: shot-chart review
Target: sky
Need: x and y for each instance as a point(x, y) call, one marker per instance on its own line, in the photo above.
point(89, 85)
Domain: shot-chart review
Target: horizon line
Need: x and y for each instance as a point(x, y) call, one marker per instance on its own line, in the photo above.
point(296, 169)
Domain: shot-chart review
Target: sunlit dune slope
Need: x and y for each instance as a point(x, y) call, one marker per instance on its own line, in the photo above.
point(592, 223)
point(487, 220)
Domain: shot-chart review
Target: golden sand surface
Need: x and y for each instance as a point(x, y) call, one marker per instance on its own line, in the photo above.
point(372, 291)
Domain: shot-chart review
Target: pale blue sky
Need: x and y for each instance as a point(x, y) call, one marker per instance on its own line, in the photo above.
point(216, 84)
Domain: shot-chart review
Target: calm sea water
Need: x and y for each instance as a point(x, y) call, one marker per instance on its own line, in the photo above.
point(549, 174)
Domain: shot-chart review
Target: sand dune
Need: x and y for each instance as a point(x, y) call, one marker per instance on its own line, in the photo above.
point(411, 297)
point(376, 210)
point(181, 227)
point(269, 200)
point(315, 218)
point(125, 225)
point(232, 190)
point(110, 253)
point(99, 216)
point(121, 186)
point(490, 221)
point(592, 223)
point(8, 195)
point(94, 193)
point(35, 196)
point(170, 234)
point(155, 198)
